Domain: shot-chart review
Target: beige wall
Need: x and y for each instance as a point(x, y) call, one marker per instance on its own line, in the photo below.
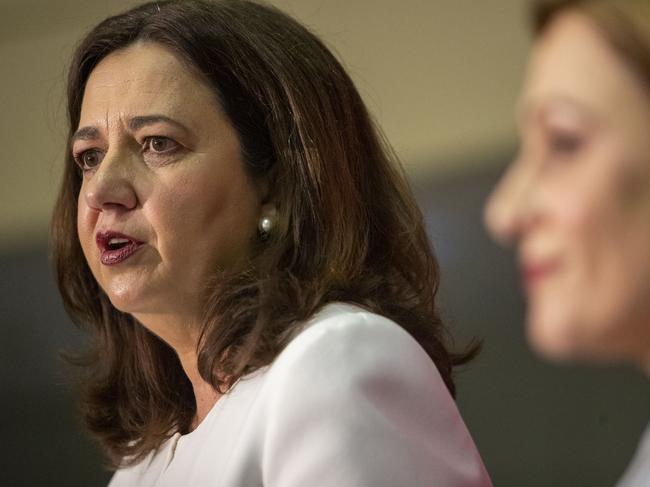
point(440, 76)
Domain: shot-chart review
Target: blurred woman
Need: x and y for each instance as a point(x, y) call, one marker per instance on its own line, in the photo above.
point(576, 200)
point(250, 262)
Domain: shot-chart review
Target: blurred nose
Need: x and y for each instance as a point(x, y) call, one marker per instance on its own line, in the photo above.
point(111, 186)
point(508, 210)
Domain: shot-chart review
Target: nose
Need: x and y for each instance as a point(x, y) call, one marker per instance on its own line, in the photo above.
point(508, 210)
point(111, 186)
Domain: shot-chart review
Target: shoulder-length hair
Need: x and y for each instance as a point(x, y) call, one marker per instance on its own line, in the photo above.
point(349, 228)
point(625, 24)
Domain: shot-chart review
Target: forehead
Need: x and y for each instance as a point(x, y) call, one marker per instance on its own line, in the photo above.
point(144, 77)
point(572, 60)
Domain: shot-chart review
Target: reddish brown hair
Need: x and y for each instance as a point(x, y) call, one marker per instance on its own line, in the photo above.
point(349, 227)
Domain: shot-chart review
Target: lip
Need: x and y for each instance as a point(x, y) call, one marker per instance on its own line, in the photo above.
point(535, 272)
point(113, 256)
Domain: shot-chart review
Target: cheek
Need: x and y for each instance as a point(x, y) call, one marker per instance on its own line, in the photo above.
point(568, 233)
point(577, 214)
point(86, 222)
point(206, 224)
point(182, 212)
point(605, 248)
point(583, 219)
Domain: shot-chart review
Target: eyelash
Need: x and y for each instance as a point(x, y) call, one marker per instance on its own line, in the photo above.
point(146, 148)
point(564, 144)
point(149, 140)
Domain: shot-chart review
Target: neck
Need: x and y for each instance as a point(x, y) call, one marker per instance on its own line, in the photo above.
point(182, 334)
point(204, 394)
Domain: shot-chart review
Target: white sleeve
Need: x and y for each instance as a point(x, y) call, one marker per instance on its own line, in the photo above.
point(355, 402)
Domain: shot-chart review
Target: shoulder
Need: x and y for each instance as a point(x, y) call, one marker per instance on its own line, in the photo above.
point(355, 390)
point(347, 339)
point(348, 357)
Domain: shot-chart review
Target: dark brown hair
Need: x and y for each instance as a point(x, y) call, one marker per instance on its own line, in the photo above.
point(624, 23)
point(349, 228)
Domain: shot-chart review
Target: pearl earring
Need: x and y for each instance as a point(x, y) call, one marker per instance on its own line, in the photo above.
point(265, 226)
point(268, 221)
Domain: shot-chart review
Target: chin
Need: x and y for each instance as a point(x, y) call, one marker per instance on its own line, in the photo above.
point(551, 347)
point(553, 335)
point(139, 302)
point(124, 298)
point(120, 304)
point(571, 340)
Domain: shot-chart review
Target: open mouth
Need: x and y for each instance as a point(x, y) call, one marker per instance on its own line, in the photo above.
point(117, 243)
point(116, 247)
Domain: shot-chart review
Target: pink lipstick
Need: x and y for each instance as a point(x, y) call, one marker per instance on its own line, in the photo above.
point(116, 247)
point(534, 273)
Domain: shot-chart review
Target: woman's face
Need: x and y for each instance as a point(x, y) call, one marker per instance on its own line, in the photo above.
point(576, 200)
point(165, 200)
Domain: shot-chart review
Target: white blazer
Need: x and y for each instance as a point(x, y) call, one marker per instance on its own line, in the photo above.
point(352, 401)
point(638, 473)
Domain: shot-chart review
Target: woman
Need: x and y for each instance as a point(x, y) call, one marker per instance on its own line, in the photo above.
point(576, 200)
point(251, 264)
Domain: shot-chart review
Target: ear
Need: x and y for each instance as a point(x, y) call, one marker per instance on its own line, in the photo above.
point(263, 185)
point(263, 188)
point(269, 210)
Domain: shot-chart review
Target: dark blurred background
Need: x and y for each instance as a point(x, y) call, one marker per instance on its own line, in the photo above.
point(441, 77)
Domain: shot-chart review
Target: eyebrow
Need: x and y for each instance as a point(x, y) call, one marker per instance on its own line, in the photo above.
point(537, 108)
point(85, 133)
point(134, 124)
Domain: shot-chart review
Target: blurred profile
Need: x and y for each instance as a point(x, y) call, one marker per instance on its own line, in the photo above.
point(575, 202)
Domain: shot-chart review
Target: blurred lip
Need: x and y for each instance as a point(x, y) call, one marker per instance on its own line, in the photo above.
point(533, 272)
point(116, 247)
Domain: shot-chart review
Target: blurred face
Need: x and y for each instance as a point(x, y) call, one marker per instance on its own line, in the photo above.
point(576, 200)
point(165, 200)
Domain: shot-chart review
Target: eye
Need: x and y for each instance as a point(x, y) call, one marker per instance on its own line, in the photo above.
point(89, 159)
point(565, 144)
point(159, 145)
